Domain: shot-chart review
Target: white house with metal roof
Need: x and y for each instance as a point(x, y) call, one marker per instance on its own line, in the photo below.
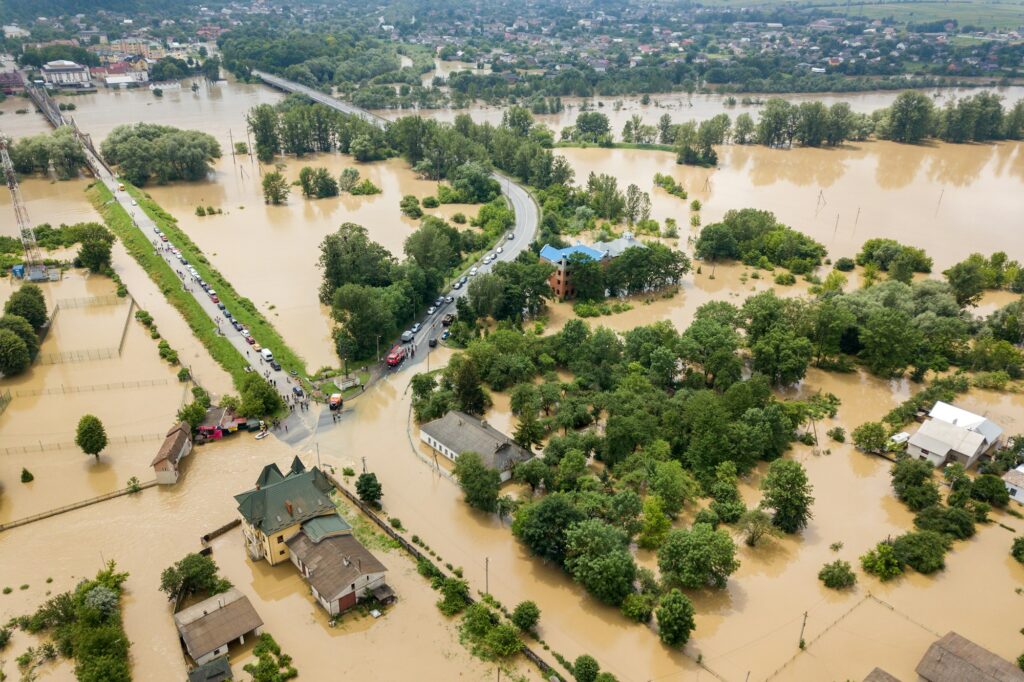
point(954, 434)
point(1014, 482)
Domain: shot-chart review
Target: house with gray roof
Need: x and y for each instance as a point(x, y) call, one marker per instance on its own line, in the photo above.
point(1014, 482)
point(954, 658)
point(952, 434)
point(458, 432)
point(207, 628)
point(217, 670)
point(337, 567)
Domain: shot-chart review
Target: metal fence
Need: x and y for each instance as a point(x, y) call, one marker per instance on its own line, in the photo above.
point(78, 356)
point(92, 388)
point(91, 301)
point(40, 446)
point(76, 505)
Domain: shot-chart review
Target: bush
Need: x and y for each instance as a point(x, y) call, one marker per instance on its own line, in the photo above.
point(585, 669)
point(838, 434)
point(924, 551)
point(785, 279)
point(837, 575)
point(844, 264)
point(882, 562)
point(26, 476)
point(638, 607)
point(459, 218)
point(952, 521)
point(454, 596)
point(1017, 549)
point(525, 616)
point(430, 202)
point(989, 488)
point(348, 471)
point(396, 523)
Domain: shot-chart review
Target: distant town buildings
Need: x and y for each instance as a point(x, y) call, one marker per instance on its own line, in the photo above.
point(457, 432)
point(954, 434)
point(66, 74)
point(292, 517)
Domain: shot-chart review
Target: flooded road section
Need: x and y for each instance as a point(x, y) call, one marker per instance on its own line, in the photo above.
point(949, 199)
point(84, 368)
point(270, 253)
point(151, 530)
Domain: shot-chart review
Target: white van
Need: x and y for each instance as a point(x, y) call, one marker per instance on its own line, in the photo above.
point(267, 355)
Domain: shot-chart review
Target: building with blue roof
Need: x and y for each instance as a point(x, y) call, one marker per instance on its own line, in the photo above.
point(561, 278)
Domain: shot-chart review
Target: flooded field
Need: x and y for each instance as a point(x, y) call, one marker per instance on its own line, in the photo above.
point(412, 636)
point(682, 107)
point(930, 196)
point(270, 253)
point(84, 368)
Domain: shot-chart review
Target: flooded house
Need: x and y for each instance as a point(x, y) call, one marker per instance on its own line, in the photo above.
point(217, 670)
point(207, 628)
point(952, 434)
point(955, 658)
point(457, 432)
point(1014, 482)
point(603, 252)
point(176, 447)
point(292, 517)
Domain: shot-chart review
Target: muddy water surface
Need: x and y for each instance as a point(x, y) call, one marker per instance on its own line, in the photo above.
point(949, 199)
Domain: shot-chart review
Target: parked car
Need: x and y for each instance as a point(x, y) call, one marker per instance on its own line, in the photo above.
point(457, 285)
point(447, 319)
point(236, 324)
point(445, 335)
point(449, 299)
point(463, 280)
point(472, 273)
point(251, 341)
point(221, 305)
point(257, 347)
point(432, 343)
point(431, 310)
point(416, 327)
point(407, 336)
point(227, 313)
point(163, 237)
point(500, 250)
point(439, 301)
point(511, 236)
point(213, 297)
point(298, 392)
point(276, 365)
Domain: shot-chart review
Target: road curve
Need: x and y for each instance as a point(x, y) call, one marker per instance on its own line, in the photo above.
point(527, 215)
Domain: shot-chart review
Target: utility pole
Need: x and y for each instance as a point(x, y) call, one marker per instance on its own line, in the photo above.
point(318, 455)
point(487, 575)
point(364, 464)
point(802, 626)
point(939, 202)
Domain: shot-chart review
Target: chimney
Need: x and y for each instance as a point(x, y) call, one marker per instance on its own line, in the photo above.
point(288, 506)
point(345, 561)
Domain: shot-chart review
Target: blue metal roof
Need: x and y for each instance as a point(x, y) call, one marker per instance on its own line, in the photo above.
point(550, 253)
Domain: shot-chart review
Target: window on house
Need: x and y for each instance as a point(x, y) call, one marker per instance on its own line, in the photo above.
point(281, 553)
point(280, 538)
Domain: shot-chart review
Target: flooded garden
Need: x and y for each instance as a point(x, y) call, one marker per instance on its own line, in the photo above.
point(949, 199)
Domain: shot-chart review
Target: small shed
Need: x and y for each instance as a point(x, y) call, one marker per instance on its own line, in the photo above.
point(175, 448)
point(207, 628)
point(956, 659)
point(217, 670)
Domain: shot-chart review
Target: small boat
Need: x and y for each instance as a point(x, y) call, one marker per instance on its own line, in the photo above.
point(262, 434)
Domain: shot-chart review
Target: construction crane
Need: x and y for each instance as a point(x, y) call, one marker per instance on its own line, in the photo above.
point(35, 270)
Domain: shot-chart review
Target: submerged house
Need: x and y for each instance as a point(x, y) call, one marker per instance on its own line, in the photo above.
point(957, 659)
point(207, 628)
point(292, 517)
point(457, 432)
point(176, 447)
point(1014, 482)
point(952, 434)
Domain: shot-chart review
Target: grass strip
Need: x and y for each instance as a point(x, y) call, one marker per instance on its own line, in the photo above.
point(243, 309)
point(138, 245)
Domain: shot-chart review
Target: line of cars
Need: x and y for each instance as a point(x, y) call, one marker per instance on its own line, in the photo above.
point(265, 353)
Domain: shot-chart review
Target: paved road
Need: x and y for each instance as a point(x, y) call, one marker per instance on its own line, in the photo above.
point(527, 217)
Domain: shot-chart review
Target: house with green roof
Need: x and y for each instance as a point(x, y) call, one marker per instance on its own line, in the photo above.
point(292, 517)
point(276, 508)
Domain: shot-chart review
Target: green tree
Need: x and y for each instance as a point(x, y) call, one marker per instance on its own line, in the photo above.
point(910, 119)
point(968, 282)
point(882, 562)
point(14, 354)
point(369, 488)
point(21, 327)
point(259, 398)
point(1017, 549)
point(654, 525)
point(195, 574)
point(912, 481)
point(871, 437)
point(597, 556)
point(756, 525)
point(410, 206)
point(479, 482)
point(924, 550)
point(275, 188)
point(788, 494)
point(525, 616)
point(531, 472)
point(989, 488)
point(28, 302)
point(675, 617)
point(698, 557)
point(585, 668)
point(891, 342)
point(782, 356)
point(466, 385)
point(192, 414)
point(542, 525)
point(503, 641)
point(91, 436)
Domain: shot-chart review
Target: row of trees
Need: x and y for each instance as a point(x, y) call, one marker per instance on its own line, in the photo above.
point(146, 151)
point(35, 154)
point(298, 126)
point(756, 238)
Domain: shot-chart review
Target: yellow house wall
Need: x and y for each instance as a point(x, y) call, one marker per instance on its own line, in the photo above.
point(275, 549)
